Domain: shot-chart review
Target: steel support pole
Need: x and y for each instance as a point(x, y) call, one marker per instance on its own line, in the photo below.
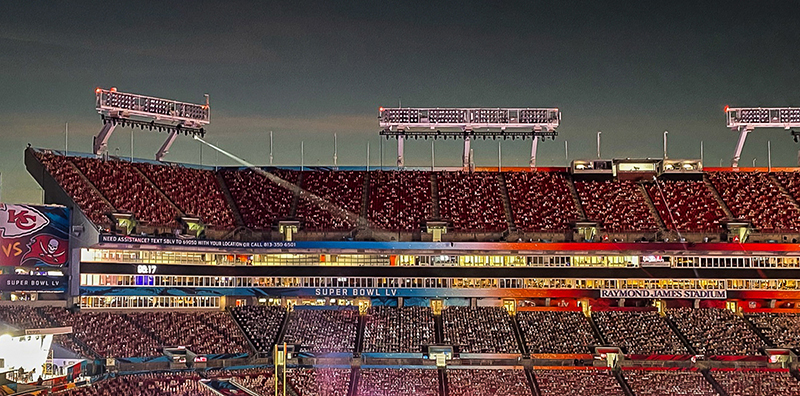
point(737, 154)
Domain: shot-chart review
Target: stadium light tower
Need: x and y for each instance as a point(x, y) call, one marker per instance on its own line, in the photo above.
point(469, 123)
point(746, 119)
point(127, 109)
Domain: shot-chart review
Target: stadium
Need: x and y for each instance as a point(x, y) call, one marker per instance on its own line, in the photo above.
point(608, 277)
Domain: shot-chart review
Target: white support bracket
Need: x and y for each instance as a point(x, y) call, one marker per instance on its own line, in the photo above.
point(743, 131)
point(465, 158)
point(534, 148)
point(401, 162)
point(100, 143)
point(173, 134)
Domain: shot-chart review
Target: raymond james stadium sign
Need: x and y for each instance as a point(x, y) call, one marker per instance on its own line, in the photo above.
point(658, 293)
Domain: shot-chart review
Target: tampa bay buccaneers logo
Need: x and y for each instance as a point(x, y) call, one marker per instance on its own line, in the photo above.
point(47, 249)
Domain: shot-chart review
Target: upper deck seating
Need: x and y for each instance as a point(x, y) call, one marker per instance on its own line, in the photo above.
point(471, 201)
point(128, 190)
point(195, 191)
point(260, 201)
point(344, 189)
point(689, 203)
point(617, 205)
point(400, 201)
point(541, 201)
point(752, 196)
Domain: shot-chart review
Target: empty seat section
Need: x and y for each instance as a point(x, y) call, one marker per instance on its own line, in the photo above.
point(617, 205)
point(471, 201)
point(540, 201)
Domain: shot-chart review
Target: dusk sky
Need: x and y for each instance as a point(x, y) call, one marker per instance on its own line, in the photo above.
point(306, 70)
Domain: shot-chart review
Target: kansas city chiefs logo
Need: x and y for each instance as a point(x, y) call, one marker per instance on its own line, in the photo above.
point(20, 220)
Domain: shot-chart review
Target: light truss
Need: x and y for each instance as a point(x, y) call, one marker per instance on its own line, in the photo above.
point(746, 119)
point(469, 119)
point(128, 109)
point(468, 124)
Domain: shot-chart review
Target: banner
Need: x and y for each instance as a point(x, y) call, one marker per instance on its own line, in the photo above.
point(32, 283)
point(34, 236)
point(664, 293)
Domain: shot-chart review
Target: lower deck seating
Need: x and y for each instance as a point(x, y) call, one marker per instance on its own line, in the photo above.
point(145, 385)
point(757, 382)
point(556, 331)
point(590, 382)
point(715, 331)
point(668, 382)
point(479, 329)
point(780, 329)
point(404, 329)
point(260, 324)
point(391, 382)
point(639, 332)
point(487, 382)
point(323, 331)
point(319, 382)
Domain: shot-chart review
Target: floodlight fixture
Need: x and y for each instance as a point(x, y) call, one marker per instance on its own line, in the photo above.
point(128, 109)
point(746, 119)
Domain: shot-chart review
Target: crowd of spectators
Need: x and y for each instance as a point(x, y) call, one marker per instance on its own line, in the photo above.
point(639, 332)
point(201, 332)
point(590, 382)
point(488, 382)
point(344, 189)
point(757, 382)
point(753, 196)
point(393, 329)
point(690, 206)
point(391, 382)
point(556, 331)
point(68, 177)
point(668, 382)
point(261, 324)
point(479, 329)
point(540, 201)
point(108, 334)
point(400, 201)
point(716, 331)
point(27, 317)
point(618, 206)
point(323, 331)
point(195, 191)
point(128, 190)
point(471, 201)
point(319, 381)
point(780, 329)
point(144, 385)
point(260, 201)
